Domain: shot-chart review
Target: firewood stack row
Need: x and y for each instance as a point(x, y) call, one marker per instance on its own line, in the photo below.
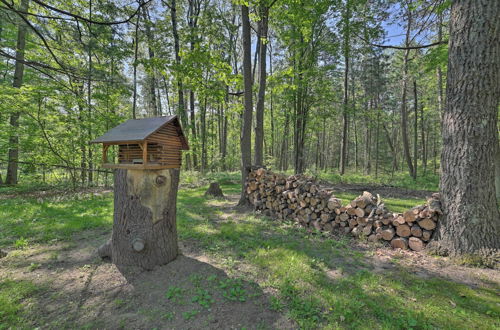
point(301, 199)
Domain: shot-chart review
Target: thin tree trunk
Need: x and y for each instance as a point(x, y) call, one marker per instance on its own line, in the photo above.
point(181, 111)
point(13, 156)
point(345, 118)
point(153, 107)
point(246, 132)
point(136, 51)
point(471, 220)
point(422, 136)
point(404, 113)
point(345, 115)
point(415, 128)
point(89, 98)
point(271, 101)
point(259, 111)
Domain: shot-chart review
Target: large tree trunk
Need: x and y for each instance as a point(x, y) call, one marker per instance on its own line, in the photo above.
point(18, 82)
point(471, 220)
point(246, 129)
point(144, 228)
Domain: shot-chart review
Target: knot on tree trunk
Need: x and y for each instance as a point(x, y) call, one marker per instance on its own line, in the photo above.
point(214, 190)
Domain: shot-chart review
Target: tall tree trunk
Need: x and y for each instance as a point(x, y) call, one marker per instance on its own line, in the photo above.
point(12, 166)
point(497, 173)
point(404, 110)
point(246, 130)
point(181, 110)
point(415, 128)
point(259, 111)
point(192, 20)
point(422, 136)
point(439, 72)
point(203, 114)
point(345, 118)
point(89, 98)
point(345, 109)
point(136, 52)
point(193, 127)
point(153, 106)
point(271, 110)
point(471, 220)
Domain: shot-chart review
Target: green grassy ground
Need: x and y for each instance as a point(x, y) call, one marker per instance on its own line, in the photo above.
point(318, 281)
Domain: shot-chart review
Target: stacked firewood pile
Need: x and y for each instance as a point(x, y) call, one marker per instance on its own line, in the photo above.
point(301, 199)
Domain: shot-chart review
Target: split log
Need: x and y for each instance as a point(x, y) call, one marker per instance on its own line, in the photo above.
point(403, 230)
point(426, 235)
point(400, 243)
point(398, 221)
point(356, 231)
point(416, 244)
point(359, 212)
point(427, 224)
point(410, 216)
point(416, 231)
point(388, 233)
point(364, 200)
point(367, 230)
point(334, 203)
point(344, 217)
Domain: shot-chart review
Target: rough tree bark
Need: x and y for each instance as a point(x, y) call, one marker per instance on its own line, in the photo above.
point(246, 129)
point(471, 220)
point(12, 166)
point(144, 227)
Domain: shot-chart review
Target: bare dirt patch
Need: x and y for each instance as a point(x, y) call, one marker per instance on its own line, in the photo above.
point(80, 290)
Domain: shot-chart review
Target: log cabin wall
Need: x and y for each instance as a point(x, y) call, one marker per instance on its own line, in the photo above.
point(168, 137)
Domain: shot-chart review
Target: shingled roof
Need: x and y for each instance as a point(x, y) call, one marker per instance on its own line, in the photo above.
point(135, 130)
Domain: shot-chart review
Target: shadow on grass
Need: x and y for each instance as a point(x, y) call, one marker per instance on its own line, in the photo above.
point(321, 281)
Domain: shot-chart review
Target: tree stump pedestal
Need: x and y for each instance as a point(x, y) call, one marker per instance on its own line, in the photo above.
point(144, 223)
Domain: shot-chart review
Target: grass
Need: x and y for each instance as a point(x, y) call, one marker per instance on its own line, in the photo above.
point(14, 296)
point(400, 179)
point(293, 262)
point(296, 263)
point(24, 221)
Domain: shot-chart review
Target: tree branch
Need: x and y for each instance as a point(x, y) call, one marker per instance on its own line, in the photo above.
point(67, 13)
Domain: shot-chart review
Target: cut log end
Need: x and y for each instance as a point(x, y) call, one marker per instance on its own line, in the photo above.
point(416, 244)
point(400, 243)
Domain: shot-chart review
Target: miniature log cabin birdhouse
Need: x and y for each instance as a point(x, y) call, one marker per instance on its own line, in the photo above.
point(146, 181)
point(148, 143)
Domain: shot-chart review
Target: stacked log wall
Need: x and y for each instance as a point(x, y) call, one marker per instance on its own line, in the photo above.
point(304, 201)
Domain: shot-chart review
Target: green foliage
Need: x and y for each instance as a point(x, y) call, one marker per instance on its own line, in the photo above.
point(232, 289)
point(203, 297)
point(190, 314)
point(174, 294)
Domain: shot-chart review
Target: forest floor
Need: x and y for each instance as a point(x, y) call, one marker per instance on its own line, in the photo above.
point(238, 270)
